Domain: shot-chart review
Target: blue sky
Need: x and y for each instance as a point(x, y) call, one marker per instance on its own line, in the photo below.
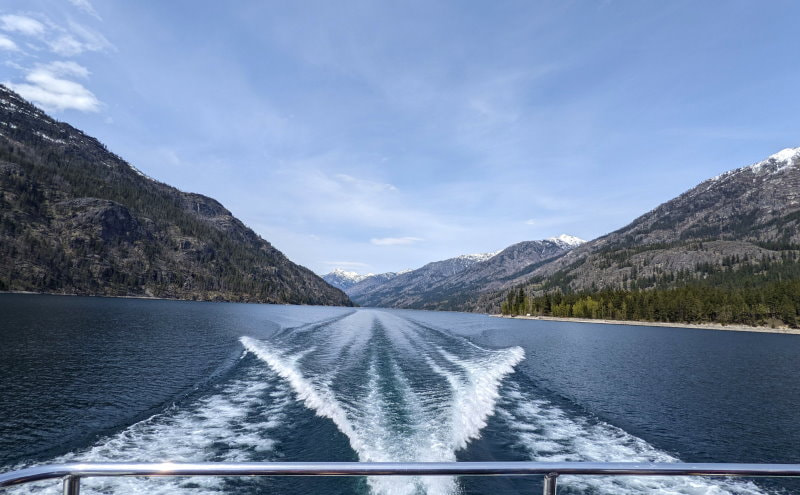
point(378, 136)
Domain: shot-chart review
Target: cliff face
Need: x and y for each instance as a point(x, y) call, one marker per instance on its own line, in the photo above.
point(77, 219)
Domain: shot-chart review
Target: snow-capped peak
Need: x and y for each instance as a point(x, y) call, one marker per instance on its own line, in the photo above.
point(569, 240)
point(478, 256)
point(354, 276)
point(783, 159)
point(785, 155)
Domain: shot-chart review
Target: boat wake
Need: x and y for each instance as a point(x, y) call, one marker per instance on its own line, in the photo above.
point(547, 433)
point(237, 422)
point(398, 391)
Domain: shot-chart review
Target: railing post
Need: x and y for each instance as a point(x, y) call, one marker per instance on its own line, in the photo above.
point(72, 485)
point(550, 484)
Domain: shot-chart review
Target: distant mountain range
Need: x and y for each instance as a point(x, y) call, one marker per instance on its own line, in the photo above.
point(733, 232)
point(445, 284)
point(77, 219)
point(726, 250)
point(749, 212)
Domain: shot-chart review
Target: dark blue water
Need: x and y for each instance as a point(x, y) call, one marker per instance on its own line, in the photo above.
point(133, 380)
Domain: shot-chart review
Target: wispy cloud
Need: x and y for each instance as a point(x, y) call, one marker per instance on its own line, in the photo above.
point(50, 87)
point(395, 241)
point(313, 193)
point(85, 6)
point(346, 264)
point(21, 24)
point(7, 44)
point(90, 39)
point(66, 45)
point(66, 40)
point(364, 185)
point(78, 39)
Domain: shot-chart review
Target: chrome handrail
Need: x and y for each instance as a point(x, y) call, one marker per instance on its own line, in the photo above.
point(72, 473)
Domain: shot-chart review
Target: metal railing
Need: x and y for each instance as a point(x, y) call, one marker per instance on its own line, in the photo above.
point(74, 472)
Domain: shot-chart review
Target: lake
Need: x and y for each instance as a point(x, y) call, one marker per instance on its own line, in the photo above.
point(101, 379)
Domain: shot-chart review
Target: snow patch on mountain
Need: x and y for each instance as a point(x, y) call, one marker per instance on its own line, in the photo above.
point(477, 257)
point(567, 240)
point(774, 163)
point(345, 275)
point(785, 154)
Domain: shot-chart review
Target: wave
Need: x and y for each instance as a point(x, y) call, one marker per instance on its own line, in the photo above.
point(399, 391)
point(548, 434)
point(391, 387)
point(219, 427)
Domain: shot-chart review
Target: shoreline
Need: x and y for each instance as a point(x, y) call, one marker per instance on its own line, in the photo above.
point(698, 326)
point(145, 298)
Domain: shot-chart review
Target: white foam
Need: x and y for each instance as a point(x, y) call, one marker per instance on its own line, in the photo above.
point(316, 396)
point(548, 434)
point(475, 392)
point(216, 428)
point(413, 422)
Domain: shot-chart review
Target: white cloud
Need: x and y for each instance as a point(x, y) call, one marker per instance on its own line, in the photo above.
point(21, 24)
point(90, 40)
point(66, 45)
point(7, 44)
point(85, 6)
point(67, 68)
point(48, 86)
point(66, 41)
point(78, 39)
point(395, 241)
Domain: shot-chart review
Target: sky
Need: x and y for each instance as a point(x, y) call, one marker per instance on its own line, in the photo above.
point(380, 136)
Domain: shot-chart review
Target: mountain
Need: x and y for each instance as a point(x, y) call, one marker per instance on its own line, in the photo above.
point(371, 283)
point(739, 229)
point(393, 292)
point(569, 241)
point(77, 219)
point(500, 272)
point(342, 279)
point(446, 284)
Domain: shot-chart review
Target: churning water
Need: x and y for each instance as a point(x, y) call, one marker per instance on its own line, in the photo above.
point(211, 382)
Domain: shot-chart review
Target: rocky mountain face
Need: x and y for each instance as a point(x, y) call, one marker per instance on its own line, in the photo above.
point(449, 283)
point(342, 279)
point(371, 283)
point(395, 291)
point(732, 222)
point(77, 219)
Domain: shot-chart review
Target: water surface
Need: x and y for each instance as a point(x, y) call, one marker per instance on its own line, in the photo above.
point(132, 380)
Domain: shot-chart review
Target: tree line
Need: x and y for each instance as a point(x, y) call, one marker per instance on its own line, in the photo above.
point(774, 303)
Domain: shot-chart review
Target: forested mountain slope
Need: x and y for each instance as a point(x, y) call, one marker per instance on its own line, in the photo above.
point(735, 232)
point(77, 219)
